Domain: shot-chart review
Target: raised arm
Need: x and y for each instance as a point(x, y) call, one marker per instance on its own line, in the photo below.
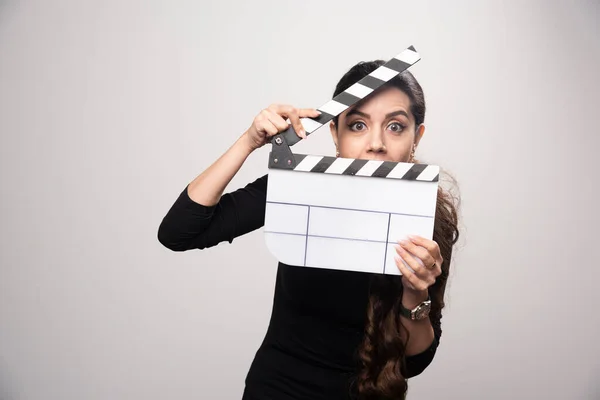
point(191, 225)
point(202, 216)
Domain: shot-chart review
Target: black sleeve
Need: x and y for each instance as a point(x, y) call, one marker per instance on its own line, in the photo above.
point(417, 363)
point(190, 225)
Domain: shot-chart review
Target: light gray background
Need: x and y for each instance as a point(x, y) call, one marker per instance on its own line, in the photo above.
point(109, 108)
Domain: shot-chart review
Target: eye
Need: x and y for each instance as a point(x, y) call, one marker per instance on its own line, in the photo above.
point(396, 127)
point(356, 126)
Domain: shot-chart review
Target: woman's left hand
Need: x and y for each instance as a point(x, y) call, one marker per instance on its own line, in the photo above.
point(426, 271)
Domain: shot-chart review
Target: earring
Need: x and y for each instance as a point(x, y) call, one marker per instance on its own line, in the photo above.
point(412, 154)
point(337, 153)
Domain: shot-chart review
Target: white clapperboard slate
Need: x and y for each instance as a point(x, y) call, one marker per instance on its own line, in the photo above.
point(346, 214)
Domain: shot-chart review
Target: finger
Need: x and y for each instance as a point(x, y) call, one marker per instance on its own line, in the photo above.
point(419, 282)
point(426, 275)
point(294, 116)
point(404, 270)
point(277, 120)
point(410, 276)
point(419, 252)
point(432, 247)
point(268, 128)
point(426, 272)
point(308, 112)
point(283, 110)
point(413, 263)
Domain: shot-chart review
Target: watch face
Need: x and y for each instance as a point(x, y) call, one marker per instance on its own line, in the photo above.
point(422, 311)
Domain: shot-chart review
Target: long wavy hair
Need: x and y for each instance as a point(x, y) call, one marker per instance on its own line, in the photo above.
point(382, 351)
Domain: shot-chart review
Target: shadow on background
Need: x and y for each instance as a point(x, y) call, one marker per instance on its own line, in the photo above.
point(7, 8)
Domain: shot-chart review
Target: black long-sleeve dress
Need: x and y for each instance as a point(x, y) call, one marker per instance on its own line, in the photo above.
point(318, 315)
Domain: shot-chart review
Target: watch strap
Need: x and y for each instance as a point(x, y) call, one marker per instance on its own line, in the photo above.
point(405, 312)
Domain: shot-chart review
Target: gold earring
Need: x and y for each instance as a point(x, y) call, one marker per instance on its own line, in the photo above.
point(337, 153)
point(412, 153)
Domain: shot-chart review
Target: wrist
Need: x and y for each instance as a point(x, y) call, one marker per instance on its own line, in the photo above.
point(412, 298)
point(246, 142)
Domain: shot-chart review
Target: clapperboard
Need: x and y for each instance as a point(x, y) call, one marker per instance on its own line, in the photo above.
point(346, 214)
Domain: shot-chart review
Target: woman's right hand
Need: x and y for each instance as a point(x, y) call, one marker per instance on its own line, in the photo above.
point(272, 120)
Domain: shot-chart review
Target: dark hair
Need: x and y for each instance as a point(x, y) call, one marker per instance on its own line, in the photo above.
point(382, 352)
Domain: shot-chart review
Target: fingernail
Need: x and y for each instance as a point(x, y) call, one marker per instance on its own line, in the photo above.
point(403, 242)
point(302, 133)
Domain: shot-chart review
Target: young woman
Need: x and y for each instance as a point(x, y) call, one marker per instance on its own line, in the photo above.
point(333, 334)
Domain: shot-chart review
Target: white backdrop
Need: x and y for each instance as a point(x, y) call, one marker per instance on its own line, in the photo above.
point(109, 108)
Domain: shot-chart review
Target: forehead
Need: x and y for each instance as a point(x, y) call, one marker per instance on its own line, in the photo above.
point(383, 101)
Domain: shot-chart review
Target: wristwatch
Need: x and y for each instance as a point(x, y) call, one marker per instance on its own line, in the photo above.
point(420, 312)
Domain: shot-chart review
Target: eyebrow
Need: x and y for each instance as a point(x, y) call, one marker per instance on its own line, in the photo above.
point(362, 114)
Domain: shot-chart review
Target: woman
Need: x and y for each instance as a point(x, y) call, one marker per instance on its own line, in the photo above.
point(333, 334)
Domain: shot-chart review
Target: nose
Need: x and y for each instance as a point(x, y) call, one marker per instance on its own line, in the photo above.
point(376, 143)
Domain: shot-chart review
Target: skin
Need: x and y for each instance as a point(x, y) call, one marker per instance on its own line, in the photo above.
point(370, 135)
point(366, 131)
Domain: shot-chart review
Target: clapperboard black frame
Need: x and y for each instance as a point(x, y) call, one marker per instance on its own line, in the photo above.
point(346, 214)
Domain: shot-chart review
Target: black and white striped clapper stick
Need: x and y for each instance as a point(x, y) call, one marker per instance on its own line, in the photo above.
point(355, 93)
point(346, 214)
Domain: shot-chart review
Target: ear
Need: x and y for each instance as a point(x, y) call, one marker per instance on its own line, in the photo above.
point(333, 130)
point(419, 134)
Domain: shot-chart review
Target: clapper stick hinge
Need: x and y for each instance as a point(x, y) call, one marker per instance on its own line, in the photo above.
point(281, 155)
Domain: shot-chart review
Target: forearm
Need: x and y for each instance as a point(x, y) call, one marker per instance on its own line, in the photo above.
point(420, 333)
point(208, 187)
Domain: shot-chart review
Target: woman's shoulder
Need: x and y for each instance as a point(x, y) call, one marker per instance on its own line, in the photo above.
point(259, 183)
